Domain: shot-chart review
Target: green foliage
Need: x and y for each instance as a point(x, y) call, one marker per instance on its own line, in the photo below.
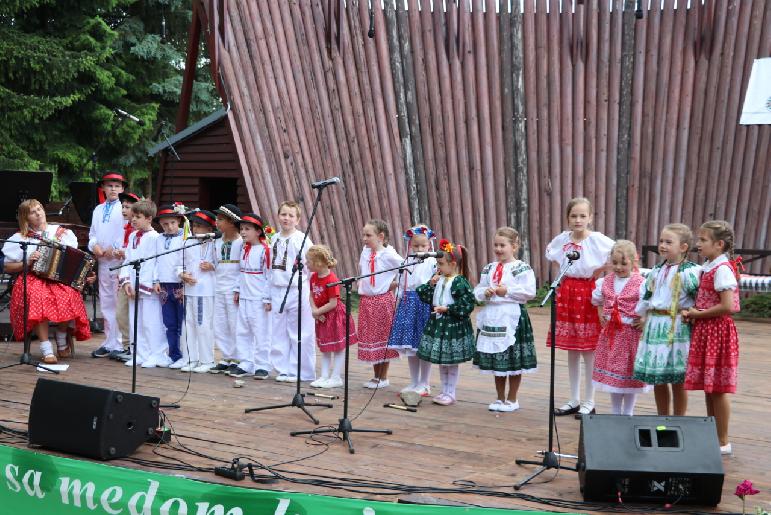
point(539, 296)
point(65, 65)
point(757, 306)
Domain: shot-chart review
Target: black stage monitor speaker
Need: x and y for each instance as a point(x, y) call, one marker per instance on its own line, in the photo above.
point(89, 421)
point(650, 459)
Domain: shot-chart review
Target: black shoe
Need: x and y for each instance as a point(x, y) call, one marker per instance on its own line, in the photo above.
point(579, 414)
point(115, 353)
point(101, 352)
point(221, 368)
point(238, 372)
point(561, 412)
point(261, 374)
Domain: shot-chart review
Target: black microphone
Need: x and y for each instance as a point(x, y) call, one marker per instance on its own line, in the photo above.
point(207, 236)
point(371, 32)
point(425, 255)
point(124, 114)
point(326, 182)
point(573, 255)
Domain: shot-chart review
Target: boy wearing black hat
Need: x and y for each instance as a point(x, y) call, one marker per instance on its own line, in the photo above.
point(166, 282)
point(227, 263)
point(105, 238)
point(197, 275)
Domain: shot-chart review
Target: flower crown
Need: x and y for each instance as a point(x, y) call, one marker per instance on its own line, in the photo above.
point(180, 208)
point(269, 232)
point(419, 229)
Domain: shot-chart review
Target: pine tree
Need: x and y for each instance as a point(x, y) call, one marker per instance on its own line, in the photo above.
point(66, 65)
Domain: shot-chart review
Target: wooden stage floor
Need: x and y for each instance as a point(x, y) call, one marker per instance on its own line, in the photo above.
point(436, 446)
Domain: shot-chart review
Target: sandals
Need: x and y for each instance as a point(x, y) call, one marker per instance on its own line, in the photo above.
point(443, 399)
point(49, 360)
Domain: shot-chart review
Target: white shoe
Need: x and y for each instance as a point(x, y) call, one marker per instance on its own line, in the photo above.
point(410, 388)
point(495, 406)
point(423, 391)
point(281, 378)
point(149, 364)
point(383, 383)
point(163, 362)
point(181, 362)
point(189, 367)
point(726, 449)
point(203, 368)
point(508, 406)
point(290, 379)
point(587, 408)
point(333, 382)
point(371, 384)
point(130, 363)
point(319, 383)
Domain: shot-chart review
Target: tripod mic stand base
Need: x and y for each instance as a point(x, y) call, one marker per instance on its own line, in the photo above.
point(345, 428)
point(298, 401)
point(550, 461)
point(26, 359)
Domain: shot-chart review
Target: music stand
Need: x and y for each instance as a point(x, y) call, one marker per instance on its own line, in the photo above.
point(551, 460)
point(298, 401)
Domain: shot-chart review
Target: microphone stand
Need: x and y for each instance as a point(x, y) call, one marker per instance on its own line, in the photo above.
point(136, 264)
point(26, 357)
point(551, 460)
point(344, 424)
point(298, 401)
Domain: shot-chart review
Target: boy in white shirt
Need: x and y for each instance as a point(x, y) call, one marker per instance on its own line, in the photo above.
point(284, 252)
point(197, 275)
point(166, 282)
point(254, 305)
point(105, 238)
point(150, 345)
point(227, 269)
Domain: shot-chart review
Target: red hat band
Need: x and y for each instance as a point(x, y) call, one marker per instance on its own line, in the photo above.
point(251, 220)
point(206, 218)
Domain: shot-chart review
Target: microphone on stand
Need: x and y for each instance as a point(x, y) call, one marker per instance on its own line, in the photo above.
point(426, 255)
point(206, 236)
point(573, 255)
point(124, 114)
point(326, 182)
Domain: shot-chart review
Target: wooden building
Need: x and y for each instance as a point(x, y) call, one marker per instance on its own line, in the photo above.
point(200, 166)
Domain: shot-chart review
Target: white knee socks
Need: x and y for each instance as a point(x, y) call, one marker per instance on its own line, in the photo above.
point(622, 403)
point(414, 364)
point(451, 375)
point(425, 373)
point(588, 356)
point(326, 359)
point(574, 374)
point(339, 361)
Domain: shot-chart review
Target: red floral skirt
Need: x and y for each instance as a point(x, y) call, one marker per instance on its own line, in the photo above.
point(49, 301)
point(376, 315)
point(713, 359)
point(578, 324)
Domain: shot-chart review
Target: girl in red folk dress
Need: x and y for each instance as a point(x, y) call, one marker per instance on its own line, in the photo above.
point(714, 356)
point(578, 326)
point(48, 301)
point(617, 295)
point(329, 313)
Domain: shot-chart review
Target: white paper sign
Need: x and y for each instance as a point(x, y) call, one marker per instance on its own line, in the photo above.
point(757, 102)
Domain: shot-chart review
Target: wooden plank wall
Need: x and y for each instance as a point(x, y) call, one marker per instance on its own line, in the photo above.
point(210, 153)
point(420, 125)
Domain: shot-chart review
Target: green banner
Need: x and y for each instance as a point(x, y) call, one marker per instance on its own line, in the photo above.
point(37, 483)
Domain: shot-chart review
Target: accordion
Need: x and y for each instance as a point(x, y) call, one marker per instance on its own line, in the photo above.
point(66, 265)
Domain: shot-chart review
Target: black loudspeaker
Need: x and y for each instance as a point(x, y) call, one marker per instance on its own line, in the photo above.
point(89, 421)
point(650, 459)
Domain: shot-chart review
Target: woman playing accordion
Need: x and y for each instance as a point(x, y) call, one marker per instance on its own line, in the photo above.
point(48, 301)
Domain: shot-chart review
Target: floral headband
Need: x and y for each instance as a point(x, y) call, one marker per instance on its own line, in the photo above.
point(451, 250)
point(419, 229)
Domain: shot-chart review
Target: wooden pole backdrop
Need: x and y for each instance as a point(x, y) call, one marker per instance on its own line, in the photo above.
point(468, 118)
